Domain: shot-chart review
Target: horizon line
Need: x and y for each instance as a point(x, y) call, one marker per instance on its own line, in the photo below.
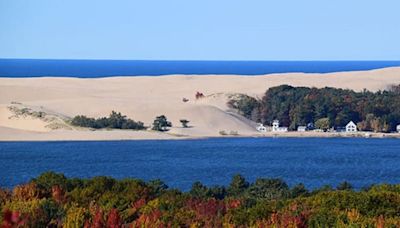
point(202, 60)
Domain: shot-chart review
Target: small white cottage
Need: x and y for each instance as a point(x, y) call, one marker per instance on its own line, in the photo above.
point(261, 128)
point(398, 128)
point(302, 128)
point(351, 127)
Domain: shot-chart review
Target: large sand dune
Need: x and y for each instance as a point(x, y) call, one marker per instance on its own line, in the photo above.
point(143, 98)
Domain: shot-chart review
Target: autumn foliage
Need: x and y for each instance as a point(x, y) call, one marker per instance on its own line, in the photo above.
point(52, 200)
point(327, 107)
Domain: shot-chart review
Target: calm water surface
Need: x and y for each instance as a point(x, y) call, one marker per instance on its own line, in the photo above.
point(314, 162)
point(102, 68)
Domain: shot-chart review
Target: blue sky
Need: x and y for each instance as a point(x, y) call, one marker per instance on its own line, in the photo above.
point(201, 29)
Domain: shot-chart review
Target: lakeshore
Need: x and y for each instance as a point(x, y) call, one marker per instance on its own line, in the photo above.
point(11, 135)
point(38, 109)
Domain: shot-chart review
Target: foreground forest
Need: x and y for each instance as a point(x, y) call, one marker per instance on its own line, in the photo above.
point(52, 200)
point(299, 106)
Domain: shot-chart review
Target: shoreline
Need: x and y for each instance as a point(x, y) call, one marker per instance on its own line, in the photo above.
point(166, 136)
point(303, 73)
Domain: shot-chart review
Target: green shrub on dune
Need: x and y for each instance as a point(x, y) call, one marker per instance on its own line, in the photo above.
point(115, 120)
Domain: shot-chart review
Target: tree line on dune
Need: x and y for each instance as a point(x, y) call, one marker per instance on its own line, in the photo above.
point(114, 120)
point(329, 107)
point(52, 200)
point(118, 121)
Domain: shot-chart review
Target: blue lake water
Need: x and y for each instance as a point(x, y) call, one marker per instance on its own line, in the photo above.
point(312, 161)
point(102, 68)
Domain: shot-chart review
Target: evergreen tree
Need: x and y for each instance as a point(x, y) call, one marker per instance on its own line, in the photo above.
point(161, 123)
point(238, 185)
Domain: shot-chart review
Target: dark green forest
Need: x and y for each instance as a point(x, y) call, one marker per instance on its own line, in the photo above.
point(298, 106)
point(52, 200)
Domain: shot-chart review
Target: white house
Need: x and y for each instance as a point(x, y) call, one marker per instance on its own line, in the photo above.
point(398, 128)
point(302, 128)
point(351, 127)
point(261, 128)
point(276, 128)
point(275, 125)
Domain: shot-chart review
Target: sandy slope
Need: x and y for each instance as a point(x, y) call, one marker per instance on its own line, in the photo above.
point(143, 98)
point(8, 119)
